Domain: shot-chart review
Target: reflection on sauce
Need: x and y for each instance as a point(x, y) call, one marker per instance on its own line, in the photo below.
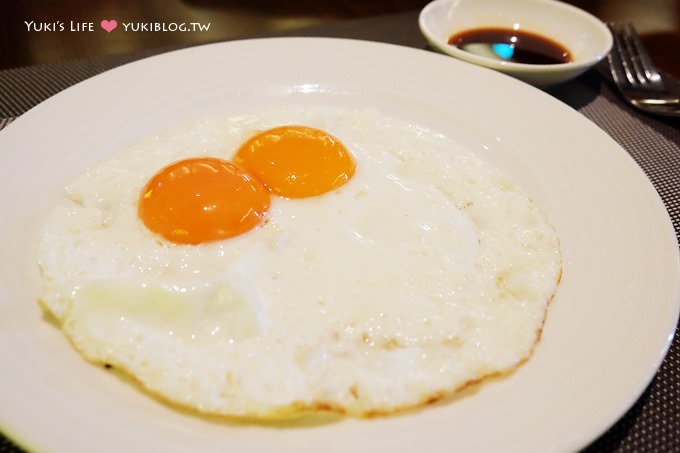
point(507, 44)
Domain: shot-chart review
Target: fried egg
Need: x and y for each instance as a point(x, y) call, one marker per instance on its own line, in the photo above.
point(408, 270)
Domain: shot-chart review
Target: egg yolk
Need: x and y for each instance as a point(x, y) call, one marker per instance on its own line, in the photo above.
point(297, 161)
point(202, 199)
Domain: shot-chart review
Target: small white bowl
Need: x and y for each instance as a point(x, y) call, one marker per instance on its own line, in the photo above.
point(587, 38)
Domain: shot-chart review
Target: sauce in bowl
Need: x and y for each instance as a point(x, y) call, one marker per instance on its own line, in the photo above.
point(512, 45)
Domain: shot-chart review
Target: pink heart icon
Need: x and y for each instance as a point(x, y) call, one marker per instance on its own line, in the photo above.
point(109, 25)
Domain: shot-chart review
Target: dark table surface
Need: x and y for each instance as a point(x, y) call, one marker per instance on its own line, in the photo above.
point(653, 423)
point(658, 22)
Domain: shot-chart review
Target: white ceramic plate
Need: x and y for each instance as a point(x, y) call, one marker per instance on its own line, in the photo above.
point(608, 328)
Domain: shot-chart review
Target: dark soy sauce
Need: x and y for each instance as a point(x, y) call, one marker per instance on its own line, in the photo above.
point(511, 45)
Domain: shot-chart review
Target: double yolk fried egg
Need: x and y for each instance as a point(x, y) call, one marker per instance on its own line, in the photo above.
point(356, 263)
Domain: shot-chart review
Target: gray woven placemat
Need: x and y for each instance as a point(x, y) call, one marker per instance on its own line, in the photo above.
point(653, 423)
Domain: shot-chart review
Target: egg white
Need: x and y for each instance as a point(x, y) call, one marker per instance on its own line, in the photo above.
point(428, 270)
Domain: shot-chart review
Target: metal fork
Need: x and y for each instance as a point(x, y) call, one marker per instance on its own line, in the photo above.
point(636, 76)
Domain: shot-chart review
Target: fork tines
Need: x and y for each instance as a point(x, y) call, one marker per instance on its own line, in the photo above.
point(635, 76)
point(629, 60)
